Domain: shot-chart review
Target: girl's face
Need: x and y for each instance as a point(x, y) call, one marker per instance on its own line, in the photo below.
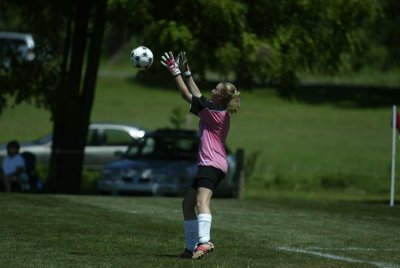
point(216, 93)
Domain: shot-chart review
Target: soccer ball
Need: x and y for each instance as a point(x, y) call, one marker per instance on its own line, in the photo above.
point(141, 58)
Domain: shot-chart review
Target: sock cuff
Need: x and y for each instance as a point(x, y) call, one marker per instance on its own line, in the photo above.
point(204, 217)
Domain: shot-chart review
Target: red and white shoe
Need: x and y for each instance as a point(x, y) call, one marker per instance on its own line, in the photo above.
point(202, 249)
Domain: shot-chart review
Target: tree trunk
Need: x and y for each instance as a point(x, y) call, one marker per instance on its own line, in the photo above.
point(74, 105)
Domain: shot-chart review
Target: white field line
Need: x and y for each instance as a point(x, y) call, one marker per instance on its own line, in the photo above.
point(336, 257)
point(353, 249)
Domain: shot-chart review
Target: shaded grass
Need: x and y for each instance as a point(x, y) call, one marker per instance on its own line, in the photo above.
point(83, 231)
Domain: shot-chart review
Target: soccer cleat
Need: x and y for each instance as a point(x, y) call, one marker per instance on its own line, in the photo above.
point(186, 254)
point(202, 249)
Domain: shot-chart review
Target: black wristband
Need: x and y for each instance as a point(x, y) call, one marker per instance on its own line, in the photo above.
point(187, 73)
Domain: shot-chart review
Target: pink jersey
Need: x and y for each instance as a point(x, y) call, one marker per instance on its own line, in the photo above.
point(214, 126)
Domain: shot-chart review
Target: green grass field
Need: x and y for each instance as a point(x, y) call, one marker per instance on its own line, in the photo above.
point(94, 231)
point(328, 145)
point(317, 190)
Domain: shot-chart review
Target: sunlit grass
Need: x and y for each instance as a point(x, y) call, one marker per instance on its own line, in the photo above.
point(93, 231)
point(301, 147)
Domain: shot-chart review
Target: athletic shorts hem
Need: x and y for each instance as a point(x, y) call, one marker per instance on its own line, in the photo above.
point(208, 177)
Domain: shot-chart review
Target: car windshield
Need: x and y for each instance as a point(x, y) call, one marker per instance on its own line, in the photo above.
point(165, 147)
point(10, 45)
point(43, 140)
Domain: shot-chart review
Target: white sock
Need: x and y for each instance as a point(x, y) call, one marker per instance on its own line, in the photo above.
point(204, 221)
point(191, 229)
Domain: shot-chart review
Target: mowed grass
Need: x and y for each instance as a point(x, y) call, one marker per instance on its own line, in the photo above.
point(95, 231)
point(298, 146)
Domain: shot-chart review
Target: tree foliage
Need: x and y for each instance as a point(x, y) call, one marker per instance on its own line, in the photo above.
point(34, 81)
point(61, 78)
point(381, 46)
point(257, 41)
point(260, 41)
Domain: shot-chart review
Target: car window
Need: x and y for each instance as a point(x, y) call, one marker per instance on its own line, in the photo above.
point(147, 147)
point(165, 147)
point(10, 45)
point(43, 140)
point(93, 138)
point(113, 137)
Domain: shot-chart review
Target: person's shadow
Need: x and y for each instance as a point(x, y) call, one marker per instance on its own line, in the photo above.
point(175, 256)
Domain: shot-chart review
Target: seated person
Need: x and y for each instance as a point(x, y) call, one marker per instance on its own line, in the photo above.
point(14, 168)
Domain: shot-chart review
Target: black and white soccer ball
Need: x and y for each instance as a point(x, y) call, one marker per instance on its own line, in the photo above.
point(141, 57)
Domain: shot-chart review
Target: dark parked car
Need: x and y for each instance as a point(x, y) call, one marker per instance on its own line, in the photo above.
point(104, 140)
point(163, 162)
point(16, 47)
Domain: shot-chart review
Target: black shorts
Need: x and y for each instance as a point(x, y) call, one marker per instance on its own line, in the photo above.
point(207, 177)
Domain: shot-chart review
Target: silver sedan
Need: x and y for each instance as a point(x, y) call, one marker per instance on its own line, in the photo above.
point(103, 142)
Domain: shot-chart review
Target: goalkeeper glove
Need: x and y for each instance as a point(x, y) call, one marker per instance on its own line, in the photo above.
point(169, 62)
point(183, 64)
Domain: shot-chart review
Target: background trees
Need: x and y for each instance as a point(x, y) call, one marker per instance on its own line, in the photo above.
point(62, 79)
point(260, 41)
point(257, 42)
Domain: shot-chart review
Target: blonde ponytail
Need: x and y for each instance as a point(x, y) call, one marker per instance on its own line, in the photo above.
point(231, 97)
point(234, 104)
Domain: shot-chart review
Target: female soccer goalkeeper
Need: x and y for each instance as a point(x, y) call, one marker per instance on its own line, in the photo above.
point(215, 115)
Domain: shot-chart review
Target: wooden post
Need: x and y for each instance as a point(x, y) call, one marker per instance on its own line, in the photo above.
point(239, 174)
point(394, 136)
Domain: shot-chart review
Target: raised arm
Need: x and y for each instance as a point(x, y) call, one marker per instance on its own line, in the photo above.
point(193, 87)
point(169, 62)
point(186, 95)
point(187, 74)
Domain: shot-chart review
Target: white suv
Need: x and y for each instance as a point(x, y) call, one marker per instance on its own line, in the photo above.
point(16, 46)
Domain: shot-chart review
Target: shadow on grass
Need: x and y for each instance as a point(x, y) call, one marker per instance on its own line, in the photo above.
point(347, 95)
point(166, 82)
point(173, 256)
point(377, 202)
point(342, 95)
